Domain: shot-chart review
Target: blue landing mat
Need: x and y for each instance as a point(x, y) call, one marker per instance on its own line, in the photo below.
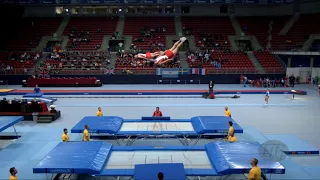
point(75, 158)
point(235, 158)
point(33, 95)
point(174, 171)
point(295, 144)
point(8, 121)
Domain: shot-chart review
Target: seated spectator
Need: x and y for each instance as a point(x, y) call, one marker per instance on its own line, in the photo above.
point(157, 112)
point(35, 107)
point(13, 173)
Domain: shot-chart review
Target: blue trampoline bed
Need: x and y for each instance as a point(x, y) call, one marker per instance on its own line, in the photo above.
point(8, 121)
point(152, 127)
point(99, 158)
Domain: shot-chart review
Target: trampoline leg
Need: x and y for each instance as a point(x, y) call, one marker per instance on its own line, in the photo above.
point(15, 131)
point(115, 137)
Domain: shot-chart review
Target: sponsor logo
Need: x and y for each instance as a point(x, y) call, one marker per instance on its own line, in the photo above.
point(64, 171)
point(273, 150)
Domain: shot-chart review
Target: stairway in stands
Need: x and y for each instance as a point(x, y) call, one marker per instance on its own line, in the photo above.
point(44, 119)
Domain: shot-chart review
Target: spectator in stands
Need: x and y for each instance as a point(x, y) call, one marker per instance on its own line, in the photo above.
point(13, 173)
point(227, 112)
point(157, 112)
point(36, 89)
point(255, 172)
point(160, 176)
point(99, 112)
point(232, 137)
point(86, 135)
point(231, 130)
point(65, 135)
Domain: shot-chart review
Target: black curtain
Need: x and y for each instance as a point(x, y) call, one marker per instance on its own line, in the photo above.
point(11, 16)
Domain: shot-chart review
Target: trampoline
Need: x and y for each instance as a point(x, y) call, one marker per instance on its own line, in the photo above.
point(99, 158)
point(8, 121)
point(151, 127)
point(39, 97)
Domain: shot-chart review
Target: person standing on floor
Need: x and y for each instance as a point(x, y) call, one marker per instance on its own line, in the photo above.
point(266, 98)
point(86, 135)
point(211, 86)
point(13, 173)
point(99, 112)
point(245, 79)
point(65, 135)
point(227, 112)
point(160, 176)
point(255, 172)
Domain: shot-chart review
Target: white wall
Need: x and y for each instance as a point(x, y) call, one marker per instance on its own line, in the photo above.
point(302, 72)
point(315, 72)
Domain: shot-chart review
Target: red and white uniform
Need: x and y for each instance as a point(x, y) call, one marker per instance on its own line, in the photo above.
point(145, 56)
point(167, 55)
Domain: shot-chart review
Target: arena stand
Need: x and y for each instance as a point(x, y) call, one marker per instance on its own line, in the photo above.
point(209, 30)
point(86, 33)
point(148, 32)
point(300, 32)
point(268, 62)
point(231, 62)
point(30, 31)
point(18, 62)
point(77, 62)
point(259, 27)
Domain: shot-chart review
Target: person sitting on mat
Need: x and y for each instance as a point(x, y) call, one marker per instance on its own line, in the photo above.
point(36, 89)
point(232, 138)
point(86, 135)
point(99, 112)
point(65, 135)
point(13, 171)
point(160, 176)
point(231, 130)
point(255, 172)
point(227, 112)
point(157, 112)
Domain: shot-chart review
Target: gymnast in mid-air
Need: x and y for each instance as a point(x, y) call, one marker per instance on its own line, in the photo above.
point(161, 57)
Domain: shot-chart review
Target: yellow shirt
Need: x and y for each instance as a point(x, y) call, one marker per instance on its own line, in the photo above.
point(99, 113)
point(86, 135)
point(65, 137)
point(255, 173)
point(227, 113)
point(13, 178)
point(231, 130)
point(232, 139)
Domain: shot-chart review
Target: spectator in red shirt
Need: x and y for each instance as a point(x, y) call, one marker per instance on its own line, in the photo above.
point(157, 112)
